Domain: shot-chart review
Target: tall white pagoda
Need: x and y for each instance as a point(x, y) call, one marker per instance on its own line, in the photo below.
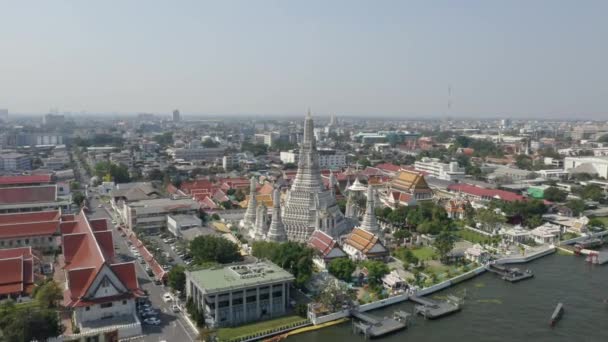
point(309, 204)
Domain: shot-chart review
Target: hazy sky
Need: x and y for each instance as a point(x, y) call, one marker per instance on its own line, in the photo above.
point(510, 58)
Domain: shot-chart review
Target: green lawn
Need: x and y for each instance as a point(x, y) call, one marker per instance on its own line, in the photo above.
point(424, 253)
point(604, 219)
point(227, 334)
point(472, 236)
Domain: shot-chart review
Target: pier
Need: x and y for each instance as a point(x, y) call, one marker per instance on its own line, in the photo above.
point(433, 309)
point(371, 327)
point(512, 275)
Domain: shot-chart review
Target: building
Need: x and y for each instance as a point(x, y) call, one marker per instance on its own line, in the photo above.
point(19, 269)
point(553, 174)
point(228, 162)
point(176, 224)
point(475, 193)
point(446, 171)
point(328, 158)
point(276, 231)
point(32, 198)
point(237, 294)
point(548, 233)
point(457, 208)
point(15, 162)
point(265, 138)
point(309, 205)
point(39, 230)
point(592, 165)
point(150, 216)
point(99, 291)
point(123, 193)
point(509, 174)
point(176, 116)
point(477, 254)
point(197, 153)
point(25, 180)
point(53, 120)
point(363, 245)
point(326, 248)
point(406, 188)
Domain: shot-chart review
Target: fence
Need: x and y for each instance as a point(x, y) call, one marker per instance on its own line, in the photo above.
point(270, 332)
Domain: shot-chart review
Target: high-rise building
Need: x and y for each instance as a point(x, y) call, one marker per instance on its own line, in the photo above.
point(309, 204)
point(176, 116)
point(3, 115)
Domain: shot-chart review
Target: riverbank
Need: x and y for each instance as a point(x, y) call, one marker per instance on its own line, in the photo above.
point(494, 307)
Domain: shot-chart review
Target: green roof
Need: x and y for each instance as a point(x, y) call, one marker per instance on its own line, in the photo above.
point(239, 276)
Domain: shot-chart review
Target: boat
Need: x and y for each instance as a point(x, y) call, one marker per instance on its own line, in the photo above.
point(557, 314)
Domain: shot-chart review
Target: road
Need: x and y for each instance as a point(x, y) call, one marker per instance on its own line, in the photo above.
point(173, 326)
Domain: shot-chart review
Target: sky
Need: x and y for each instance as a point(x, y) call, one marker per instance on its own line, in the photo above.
point(526, 59)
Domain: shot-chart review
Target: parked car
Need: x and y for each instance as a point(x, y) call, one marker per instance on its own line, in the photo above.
point(175, 308)
point(152, 321)
point(167, 297)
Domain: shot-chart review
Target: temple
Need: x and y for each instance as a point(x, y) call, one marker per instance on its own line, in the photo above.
point(309, 204)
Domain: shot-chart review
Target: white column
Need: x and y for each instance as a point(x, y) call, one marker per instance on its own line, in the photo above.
point(270, 299)
point(217, 309)
point(230, 307)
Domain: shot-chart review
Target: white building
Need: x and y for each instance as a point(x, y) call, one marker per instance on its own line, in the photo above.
point(553, 174)
point(597, 165)
point(177, 223)
point(328, 158)
point(546, 234)
point(446, 171)
point(151, 215)
point(198, 153)
point(237, 294)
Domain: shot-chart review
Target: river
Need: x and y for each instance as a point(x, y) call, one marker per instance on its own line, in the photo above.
point(496, 310)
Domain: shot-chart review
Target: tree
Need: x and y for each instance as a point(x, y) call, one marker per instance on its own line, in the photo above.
point(215, 217)
point(364, 162)
point(489, 219)
point(292, 256)
point(444, 243)
point(577, 206)
point(177, 278)
point(118, 173)
point(595, 222)
point(401, 234)
point(18, 324)
point(554, 194)
point(375, 271)
point(210, 143)
point(78, 198)
point(342, 268)
point(239, 195)
point(334, 295)
point(214, 249)
point(592, 192)
point(48, 294)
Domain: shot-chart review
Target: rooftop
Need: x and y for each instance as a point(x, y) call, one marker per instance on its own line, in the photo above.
point(239, 276)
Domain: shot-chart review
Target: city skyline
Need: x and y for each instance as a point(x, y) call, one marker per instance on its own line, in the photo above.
point(401, 59)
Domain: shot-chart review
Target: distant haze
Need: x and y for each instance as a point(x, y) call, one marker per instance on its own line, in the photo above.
point(523, 59)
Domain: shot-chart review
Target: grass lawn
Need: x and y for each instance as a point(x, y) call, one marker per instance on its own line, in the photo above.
point(604, 219)
point(424, 253)
point(472, 236)
point(226, 334)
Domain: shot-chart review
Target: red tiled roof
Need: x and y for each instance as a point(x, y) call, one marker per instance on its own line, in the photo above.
point(15, 252)
point(105, 242)
point(23, 180)
point(28, 229)
point(86, 252)
point(322, 242)
point(29, 194)
point(486, 193)
point(127, 274)
point(12, 270)
point(99, 224)
point(35, 216)
point(388, 167)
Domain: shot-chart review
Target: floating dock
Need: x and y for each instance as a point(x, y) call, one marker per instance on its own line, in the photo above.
point(433, 309)
point(372, 327)
point(509, 274)
point(595, 257)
